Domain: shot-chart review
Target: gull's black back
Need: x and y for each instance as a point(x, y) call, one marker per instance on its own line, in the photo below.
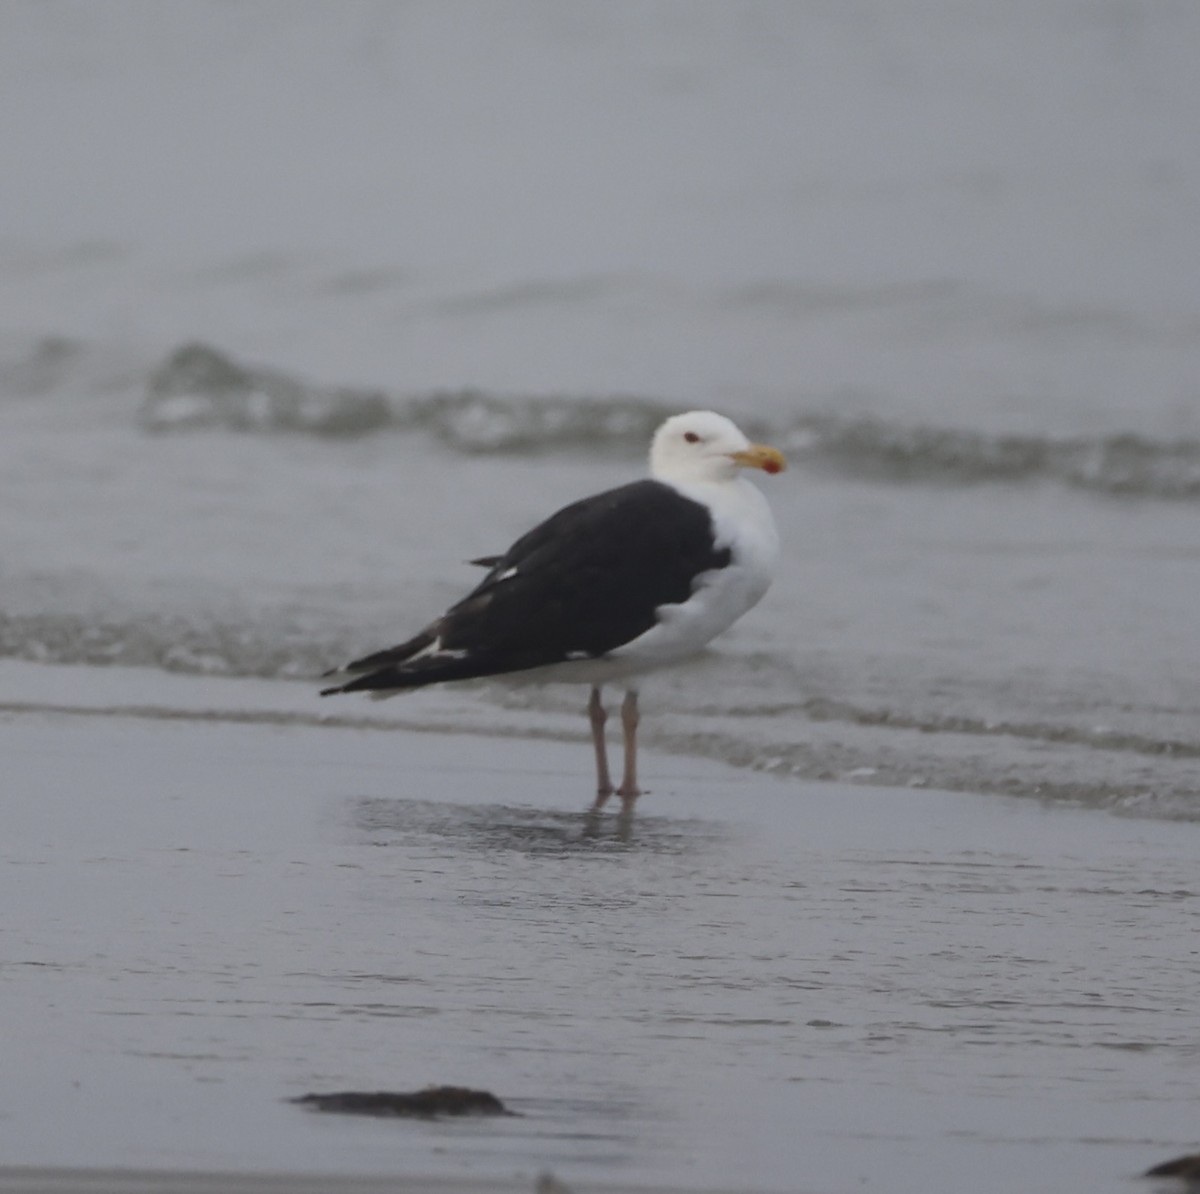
point(586, 581)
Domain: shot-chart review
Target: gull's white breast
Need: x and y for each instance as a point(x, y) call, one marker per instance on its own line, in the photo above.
point(743, 523)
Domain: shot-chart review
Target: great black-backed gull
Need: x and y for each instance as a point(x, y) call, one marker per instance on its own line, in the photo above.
point(610, 587)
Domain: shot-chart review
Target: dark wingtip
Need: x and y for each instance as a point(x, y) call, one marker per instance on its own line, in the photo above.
point(331, 691)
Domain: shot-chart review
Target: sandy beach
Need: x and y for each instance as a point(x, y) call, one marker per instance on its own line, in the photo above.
point(212, 906)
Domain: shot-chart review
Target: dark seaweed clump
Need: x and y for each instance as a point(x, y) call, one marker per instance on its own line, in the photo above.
point(429, 1103)
point(1187, 1168)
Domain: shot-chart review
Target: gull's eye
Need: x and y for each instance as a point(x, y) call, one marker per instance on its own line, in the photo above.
point(691, 437)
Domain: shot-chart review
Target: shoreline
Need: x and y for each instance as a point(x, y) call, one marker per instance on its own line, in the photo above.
point(901, 757)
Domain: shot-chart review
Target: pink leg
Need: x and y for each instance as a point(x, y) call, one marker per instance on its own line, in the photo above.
point(597, 716)
point(629, 791)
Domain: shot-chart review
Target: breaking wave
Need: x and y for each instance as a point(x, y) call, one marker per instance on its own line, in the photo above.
point(280, 647)
point(200, 387)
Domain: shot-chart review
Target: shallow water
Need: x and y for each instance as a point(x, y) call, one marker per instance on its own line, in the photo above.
point(424, 314)
point(755, 985)
point(997, 637)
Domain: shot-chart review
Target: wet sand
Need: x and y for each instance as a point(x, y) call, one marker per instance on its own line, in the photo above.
point(161, 1181)
point(212, 906)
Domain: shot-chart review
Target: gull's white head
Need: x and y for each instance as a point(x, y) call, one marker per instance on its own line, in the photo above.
point(704, 446)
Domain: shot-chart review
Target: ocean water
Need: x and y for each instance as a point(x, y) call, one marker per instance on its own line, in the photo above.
point(305, 304)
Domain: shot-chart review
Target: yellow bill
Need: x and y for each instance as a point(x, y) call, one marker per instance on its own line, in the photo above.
point(770, 460)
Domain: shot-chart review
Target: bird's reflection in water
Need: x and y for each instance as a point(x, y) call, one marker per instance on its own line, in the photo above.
point(595, 823)
point(500, 827)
